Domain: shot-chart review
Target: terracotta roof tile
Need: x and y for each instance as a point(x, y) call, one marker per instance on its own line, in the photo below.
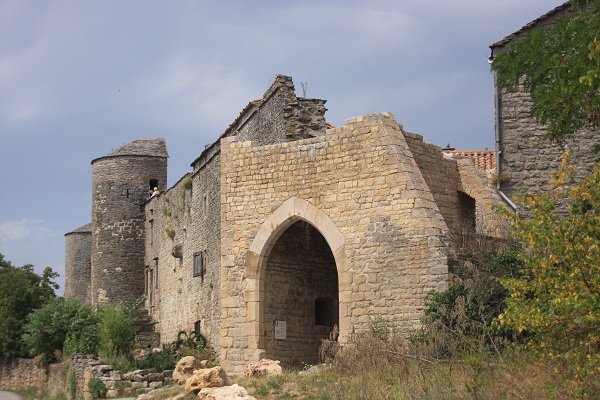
point(482, 159)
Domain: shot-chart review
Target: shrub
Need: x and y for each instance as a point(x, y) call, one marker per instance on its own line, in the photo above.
point(556, 302)
point(458, 320)
point(48, 328)
point(158, 360)
point(118, 329)
point(97, 388)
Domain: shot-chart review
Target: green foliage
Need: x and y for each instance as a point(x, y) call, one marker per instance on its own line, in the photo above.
point(21, 291)
point(118, 329)
point(48, 328)
point(561, 65)
point(97, 388)
point(458, 319)
point(73, 385)
point(555, 303)
point(187, 183)
point(158, 360)
point(192, 340)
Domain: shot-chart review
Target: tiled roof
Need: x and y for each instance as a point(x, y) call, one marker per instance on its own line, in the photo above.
point(482, 159)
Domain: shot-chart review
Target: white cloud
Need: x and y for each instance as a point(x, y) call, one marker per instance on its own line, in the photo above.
point(18, 230)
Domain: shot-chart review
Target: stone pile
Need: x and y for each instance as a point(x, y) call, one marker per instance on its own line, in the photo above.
point(139, 381)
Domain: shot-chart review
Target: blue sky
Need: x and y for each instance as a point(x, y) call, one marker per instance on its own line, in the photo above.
point(81, 78)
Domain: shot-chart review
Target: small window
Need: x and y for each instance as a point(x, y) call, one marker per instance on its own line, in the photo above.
point(324, 311)
point(205, 206)
point(200, 264)
point(153, 183)
point(156, 272)
point(197, 326)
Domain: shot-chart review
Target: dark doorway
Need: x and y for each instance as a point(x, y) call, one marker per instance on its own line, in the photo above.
point(301, 296)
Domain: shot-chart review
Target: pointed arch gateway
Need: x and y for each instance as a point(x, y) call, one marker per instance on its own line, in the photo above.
point(296, 271)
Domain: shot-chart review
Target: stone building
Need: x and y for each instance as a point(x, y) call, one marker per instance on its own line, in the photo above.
point(284, 228)
point(524, 163)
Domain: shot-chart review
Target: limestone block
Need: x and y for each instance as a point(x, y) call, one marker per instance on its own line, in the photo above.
point(205, 378)
point(264, 367)
point(185, 368)
point(139, 385)
point(233, 392)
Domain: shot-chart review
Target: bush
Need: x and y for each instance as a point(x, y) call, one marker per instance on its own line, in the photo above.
point(97, 388)
point(48, 328)
point(118, 330)
point(158, 360)
point(458, 320)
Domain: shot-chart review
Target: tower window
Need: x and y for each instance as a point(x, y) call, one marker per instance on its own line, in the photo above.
point(153, 183)
point(200, 264)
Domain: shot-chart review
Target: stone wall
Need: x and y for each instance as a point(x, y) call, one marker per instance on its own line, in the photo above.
point(21, 374)
point(121, 183)
point(361, 188)
point(78, 263)
point(526, 161)
point(191, 212)
point(183, 222)
point(280, 116)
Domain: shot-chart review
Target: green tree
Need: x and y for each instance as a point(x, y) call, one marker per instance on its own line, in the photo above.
point(21, 291)
point(561, 65)
point(555, 303)
point(61, 326)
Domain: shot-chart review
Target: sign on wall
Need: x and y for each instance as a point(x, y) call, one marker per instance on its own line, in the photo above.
point(280, 330)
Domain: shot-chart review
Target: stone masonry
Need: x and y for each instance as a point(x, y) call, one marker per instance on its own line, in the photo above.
point(525, 163)
point(283, 230)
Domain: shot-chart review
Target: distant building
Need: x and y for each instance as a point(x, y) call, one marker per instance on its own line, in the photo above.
point(523, 163)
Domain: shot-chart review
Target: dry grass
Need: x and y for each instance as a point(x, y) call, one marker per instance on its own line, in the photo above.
point(377, 369)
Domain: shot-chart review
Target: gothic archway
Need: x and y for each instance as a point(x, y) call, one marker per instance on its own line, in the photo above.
point(295, 270)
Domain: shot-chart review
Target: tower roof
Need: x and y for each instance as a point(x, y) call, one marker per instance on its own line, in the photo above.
point(87, 228)
point(150, 147)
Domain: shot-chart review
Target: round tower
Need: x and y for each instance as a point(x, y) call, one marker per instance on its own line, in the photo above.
point(121, 183)
point(78, 259)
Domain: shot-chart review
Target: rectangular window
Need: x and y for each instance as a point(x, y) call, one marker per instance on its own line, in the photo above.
point(156, 273)
point(200, 264)
point(205, 206)
point(151, 232)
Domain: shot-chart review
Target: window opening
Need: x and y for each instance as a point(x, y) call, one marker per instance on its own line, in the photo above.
point(197, 326)
point(152, 187)
point(200, 264)
point(324, 311)
point(156, 273)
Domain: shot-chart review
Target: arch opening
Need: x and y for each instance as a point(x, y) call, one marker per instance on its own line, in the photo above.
point(301, 295)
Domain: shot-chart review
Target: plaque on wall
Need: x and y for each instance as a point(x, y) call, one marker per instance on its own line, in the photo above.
point(280, 330)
